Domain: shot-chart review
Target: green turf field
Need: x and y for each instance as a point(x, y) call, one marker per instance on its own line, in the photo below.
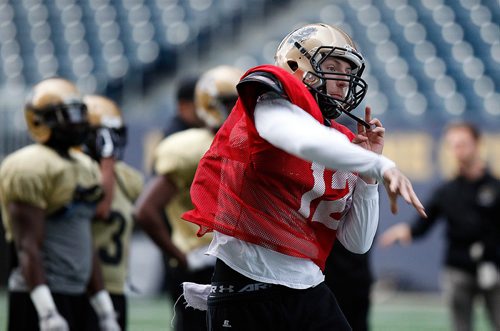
point(395, 312)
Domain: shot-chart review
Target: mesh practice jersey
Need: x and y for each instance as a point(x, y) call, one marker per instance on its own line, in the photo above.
point(251, 190)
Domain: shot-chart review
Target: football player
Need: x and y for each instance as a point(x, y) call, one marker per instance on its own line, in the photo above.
point(49, 192)
point(177, 157)
point(112, 226)
point(282, 181)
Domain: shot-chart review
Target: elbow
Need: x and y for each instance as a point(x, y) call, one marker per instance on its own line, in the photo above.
point(357, 246)
point(28, 251)
point(360, 249)
point(147, 218)
point(140, 216)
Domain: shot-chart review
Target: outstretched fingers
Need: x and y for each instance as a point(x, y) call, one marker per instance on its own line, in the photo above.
point(400, 185)
point(418, 206)
point(393, 198)
point(411, 197)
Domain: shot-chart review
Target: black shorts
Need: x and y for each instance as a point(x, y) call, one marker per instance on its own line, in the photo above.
point(240, 303)
point(22, 314)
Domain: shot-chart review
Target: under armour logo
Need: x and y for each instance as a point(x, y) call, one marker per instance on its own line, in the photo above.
point(255, 287)
point(226, 324)
point(222, 289)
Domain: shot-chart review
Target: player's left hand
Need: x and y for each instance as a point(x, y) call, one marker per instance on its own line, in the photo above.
point(371, 139)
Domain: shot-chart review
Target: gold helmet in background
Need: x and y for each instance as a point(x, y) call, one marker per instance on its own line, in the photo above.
point(108, 133)
point(304, 50)
point(55, 113)
point(216, 94)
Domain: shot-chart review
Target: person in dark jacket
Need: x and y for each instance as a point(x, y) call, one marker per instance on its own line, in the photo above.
point(470, 205)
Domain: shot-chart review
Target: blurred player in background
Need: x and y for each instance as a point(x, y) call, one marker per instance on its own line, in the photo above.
point(268, 190)
point(49, 193)
point(185, 113)
point(470, 205)
point(177, 158)
point(113, 223)
point(185, 117)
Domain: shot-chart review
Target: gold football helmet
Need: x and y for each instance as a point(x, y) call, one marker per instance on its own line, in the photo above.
point(55, 113)
point(302, 53)
point(108, 134)
point(215, 94)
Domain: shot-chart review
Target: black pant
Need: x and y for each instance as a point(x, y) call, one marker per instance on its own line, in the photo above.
point(349, 277)
point(188, 318)
point(242, 304)
point(23, 315)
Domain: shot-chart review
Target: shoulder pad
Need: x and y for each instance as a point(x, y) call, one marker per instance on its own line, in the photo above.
point(263, 82)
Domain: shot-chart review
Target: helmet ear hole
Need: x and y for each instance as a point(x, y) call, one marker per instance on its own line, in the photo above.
point(37, 121)
point(293, 65)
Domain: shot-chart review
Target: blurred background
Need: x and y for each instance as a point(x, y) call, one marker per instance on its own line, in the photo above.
point(428, 62)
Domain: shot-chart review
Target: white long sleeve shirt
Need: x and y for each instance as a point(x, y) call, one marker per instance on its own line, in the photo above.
point(293, 130)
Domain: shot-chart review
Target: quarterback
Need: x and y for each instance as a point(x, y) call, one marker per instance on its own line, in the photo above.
point(176, 160)
point(282, 181)
point(49, 192)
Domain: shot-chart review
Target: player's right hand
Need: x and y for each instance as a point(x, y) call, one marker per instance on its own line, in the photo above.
point(53, 322)
point(397, 184)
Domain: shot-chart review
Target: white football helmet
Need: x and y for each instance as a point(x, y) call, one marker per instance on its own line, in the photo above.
point(304, 50)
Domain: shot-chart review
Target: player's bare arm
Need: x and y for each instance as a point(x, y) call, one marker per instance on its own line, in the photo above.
point(148, 213)
point(28, 229)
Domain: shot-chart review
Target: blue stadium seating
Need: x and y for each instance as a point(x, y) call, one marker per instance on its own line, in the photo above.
point(439, 57)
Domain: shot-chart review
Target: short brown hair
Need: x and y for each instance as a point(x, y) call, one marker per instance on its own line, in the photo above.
point(473, 129)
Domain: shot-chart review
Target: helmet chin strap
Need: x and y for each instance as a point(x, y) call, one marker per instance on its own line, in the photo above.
point(338, 108)
point(357, 119)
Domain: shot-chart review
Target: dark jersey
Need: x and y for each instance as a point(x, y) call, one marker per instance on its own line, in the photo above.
point(471, 210)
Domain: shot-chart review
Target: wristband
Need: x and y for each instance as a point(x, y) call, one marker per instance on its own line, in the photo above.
point(102, 304)
point(42, 300)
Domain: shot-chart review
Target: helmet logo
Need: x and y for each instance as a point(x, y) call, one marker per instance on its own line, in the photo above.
point(349, 48)
point(303, 34)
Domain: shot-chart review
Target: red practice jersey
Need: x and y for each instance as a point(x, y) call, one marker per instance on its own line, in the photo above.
point(247, 188)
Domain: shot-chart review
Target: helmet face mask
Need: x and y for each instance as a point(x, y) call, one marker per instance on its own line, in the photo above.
point(55, 114)
point(100, 138)
point(68, 123)
point(303, 53)
point(356, 87)
point(59, 115)
point(108, 134)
